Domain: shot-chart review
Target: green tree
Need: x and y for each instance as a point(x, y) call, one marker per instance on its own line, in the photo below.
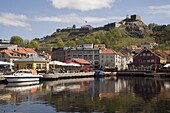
point(97, 41)
point(17, 40)
point(152, 25)
point(34, 44)
point(116, 32)
point(166, 34)
point(60, 43)
point(70, 43)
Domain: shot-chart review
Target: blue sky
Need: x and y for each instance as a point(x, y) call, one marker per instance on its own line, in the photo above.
point(31, 19)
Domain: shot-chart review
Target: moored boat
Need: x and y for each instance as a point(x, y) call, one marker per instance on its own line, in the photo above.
point(99, 74)
point(23, 75)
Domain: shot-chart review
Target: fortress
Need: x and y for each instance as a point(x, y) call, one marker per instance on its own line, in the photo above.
point(88, 28)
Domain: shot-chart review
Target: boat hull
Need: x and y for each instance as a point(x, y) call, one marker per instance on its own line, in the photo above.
point(22, 78)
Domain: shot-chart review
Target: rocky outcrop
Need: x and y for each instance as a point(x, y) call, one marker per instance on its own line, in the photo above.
point(136, 29)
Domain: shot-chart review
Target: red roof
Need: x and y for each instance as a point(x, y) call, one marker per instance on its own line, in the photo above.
point(23, 50)
point(80, 61)
point(9, 53)
point(107, 51)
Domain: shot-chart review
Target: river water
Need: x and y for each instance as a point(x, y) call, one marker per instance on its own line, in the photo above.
point(116, 95)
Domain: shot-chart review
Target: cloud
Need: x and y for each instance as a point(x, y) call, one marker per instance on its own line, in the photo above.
point(83, 5)
point(10, 19)
point(162, 9)
point(74, 18)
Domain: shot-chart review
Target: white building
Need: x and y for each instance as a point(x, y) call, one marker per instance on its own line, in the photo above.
point(111, 58)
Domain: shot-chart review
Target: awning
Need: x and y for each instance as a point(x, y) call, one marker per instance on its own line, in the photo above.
point(57, 63)
point(73, 64)
point(63, 64)
point(6, 63)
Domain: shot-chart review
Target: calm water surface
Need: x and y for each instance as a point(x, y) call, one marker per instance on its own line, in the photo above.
point(120, 95)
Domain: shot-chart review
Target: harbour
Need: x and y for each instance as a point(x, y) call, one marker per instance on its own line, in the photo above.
point(122, 94)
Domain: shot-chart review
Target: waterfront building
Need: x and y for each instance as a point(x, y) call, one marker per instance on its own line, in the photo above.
point(112, 59)
point(86, 51)
point(32, 62)
point(147, 60)
point(168, 55)
point(84, 64)
point(14, 53)
point(59, 54)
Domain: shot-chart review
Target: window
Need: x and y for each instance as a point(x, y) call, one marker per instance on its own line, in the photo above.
point(79, 56)
point(148, 60)
point(85, 56)
point(96, 62)
point(38, 66)
point(29, 66)
point(90, 57)
point(44, 66)
point(144, 54)
point(152, 60)
point(74, 56)
point(148, 54)
point(96, 56)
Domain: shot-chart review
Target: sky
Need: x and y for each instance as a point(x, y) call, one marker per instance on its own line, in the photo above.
point(31, 19)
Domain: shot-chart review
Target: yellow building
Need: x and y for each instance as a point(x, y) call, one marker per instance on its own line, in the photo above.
point(33, 62)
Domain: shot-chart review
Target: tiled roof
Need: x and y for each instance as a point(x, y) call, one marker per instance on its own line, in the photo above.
point(167, 52)
point(120, 54)
point(9, 53)
point(30, 50)
point(20, 50)
point(32, 59)
point(80, 60)
point(107, 51)
point(160, 53)
point(23, 50)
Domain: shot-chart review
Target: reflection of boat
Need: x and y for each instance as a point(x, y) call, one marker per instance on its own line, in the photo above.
point(22, 86)
point(19, 84)
point(23, 75)
point(59, 88)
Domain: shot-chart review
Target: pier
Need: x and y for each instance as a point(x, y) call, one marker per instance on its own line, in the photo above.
point(55, 76)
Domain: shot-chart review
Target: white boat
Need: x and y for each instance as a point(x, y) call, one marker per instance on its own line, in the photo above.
point(23, 75)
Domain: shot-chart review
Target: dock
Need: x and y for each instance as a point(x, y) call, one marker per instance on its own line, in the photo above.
point(142, 74)
point(55, 76)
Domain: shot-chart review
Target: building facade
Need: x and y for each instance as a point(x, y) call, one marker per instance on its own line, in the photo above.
point(145, 60)
point(33, 62)
point(112, 59)
point(86, 51)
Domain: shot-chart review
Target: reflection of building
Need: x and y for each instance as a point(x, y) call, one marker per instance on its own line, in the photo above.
point(147, 88)
point(109, 88)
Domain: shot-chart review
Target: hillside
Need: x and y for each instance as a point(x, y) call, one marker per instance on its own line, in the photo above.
point(117, 35)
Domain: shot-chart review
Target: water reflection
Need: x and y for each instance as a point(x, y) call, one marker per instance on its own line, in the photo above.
point(123, 95)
